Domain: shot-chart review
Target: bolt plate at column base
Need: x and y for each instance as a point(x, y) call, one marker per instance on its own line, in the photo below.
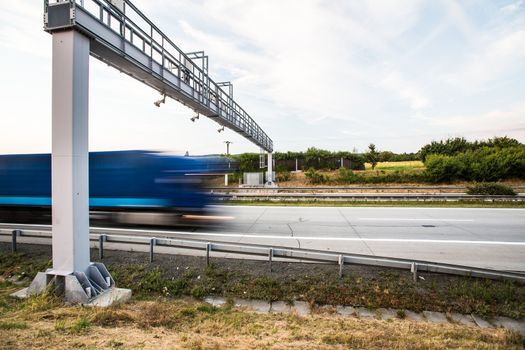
point(94, 287)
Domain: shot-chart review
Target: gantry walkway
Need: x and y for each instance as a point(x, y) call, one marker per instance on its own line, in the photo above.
point(126, 39)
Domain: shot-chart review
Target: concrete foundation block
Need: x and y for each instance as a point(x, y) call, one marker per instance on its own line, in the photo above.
point(74, 293)
point(92, 288)
point(21, 294)
point(111, 297)
point(38, 285)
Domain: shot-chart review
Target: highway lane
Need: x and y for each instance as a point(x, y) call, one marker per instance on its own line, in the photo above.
point(490, 238)
point(487, 238)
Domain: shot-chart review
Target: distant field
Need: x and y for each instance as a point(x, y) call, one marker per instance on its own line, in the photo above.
point(406, 165)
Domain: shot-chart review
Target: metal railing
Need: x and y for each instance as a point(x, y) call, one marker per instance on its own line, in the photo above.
point(270, 252)
point(224, 196)
point(351, 188)
point(122, 18)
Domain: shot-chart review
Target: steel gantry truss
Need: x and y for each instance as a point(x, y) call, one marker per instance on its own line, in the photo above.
point(123, 37)
point(115, 32)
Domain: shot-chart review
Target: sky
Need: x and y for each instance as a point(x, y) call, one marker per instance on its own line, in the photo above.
point(333, 74)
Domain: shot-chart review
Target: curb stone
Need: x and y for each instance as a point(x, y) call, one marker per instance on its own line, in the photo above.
point(366, 313)
point(302, 308)
point(435, 317)
point(346, 311)
point(280, 307)
point(215, 301)
point(260, 306)
point(325, 309)
point(386, 314)
point(509, 323)
point(465, 320)
point(481, 323)
point(414, 316)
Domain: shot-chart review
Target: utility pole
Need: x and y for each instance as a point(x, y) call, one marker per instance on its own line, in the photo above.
point(228, 147)
point(227, 155)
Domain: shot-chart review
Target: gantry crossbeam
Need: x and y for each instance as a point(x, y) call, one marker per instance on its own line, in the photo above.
point(126, 39)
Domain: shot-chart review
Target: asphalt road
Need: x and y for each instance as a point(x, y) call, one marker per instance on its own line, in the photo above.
point(490, 238)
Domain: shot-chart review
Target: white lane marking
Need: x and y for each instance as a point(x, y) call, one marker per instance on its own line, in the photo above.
point(353, 239)
point(410, 219)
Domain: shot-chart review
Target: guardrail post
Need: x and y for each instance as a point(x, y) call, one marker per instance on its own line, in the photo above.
point(208, 249)
point(152, 243)
point(413, 269)
point(14, 233)
point(341, 261)
point(101, 240)
point(270, 258)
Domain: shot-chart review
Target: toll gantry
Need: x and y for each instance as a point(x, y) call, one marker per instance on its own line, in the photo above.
point(123, 37)
point(117, 33)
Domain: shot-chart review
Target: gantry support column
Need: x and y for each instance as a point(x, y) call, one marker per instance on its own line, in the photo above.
point(269, 174)
point(70, 192)
point(73, 275)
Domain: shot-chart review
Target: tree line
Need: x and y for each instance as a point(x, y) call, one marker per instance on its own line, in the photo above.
point(453, 159)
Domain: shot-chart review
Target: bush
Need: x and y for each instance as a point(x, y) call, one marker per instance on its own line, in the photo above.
point(248, 162)
point(440, 168)
point(315, 177)
point(346, 176)
point(484, 165)
point(282, 174)
point(491, 189)
point(448, 147)
point(235, 177)
point(453, 146)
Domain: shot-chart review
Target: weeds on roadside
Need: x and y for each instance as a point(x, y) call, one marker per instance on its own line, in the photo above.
point(8, 325)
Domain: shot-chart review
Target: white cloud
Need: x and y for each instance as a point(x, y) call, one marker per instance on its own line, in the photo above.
point(308, 71)
point(511, 119)
point(407, 90)
point(21, 29)
point(493, 52)
point(307, 54)
point(512, 7)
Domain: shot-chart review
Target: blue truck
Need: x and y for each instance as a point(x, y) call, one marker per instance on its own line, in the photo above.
point(122, 185)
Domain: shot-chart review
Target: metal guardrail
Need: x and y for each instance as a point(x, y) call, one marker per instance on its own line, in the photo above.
point(351, 188)
point(271, 252)
point(365, 196)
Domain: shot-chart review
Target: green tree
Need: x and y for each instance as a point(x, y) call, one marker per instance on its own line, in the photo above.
point(372, 156)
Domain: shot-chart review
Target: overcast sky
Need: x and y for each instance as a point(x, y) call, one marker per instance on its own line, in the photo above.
point(333, 74)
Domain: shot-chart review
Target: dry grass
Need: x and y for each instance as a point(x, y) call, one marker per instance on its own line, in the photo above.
point(186, 324)
point(42, 322)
